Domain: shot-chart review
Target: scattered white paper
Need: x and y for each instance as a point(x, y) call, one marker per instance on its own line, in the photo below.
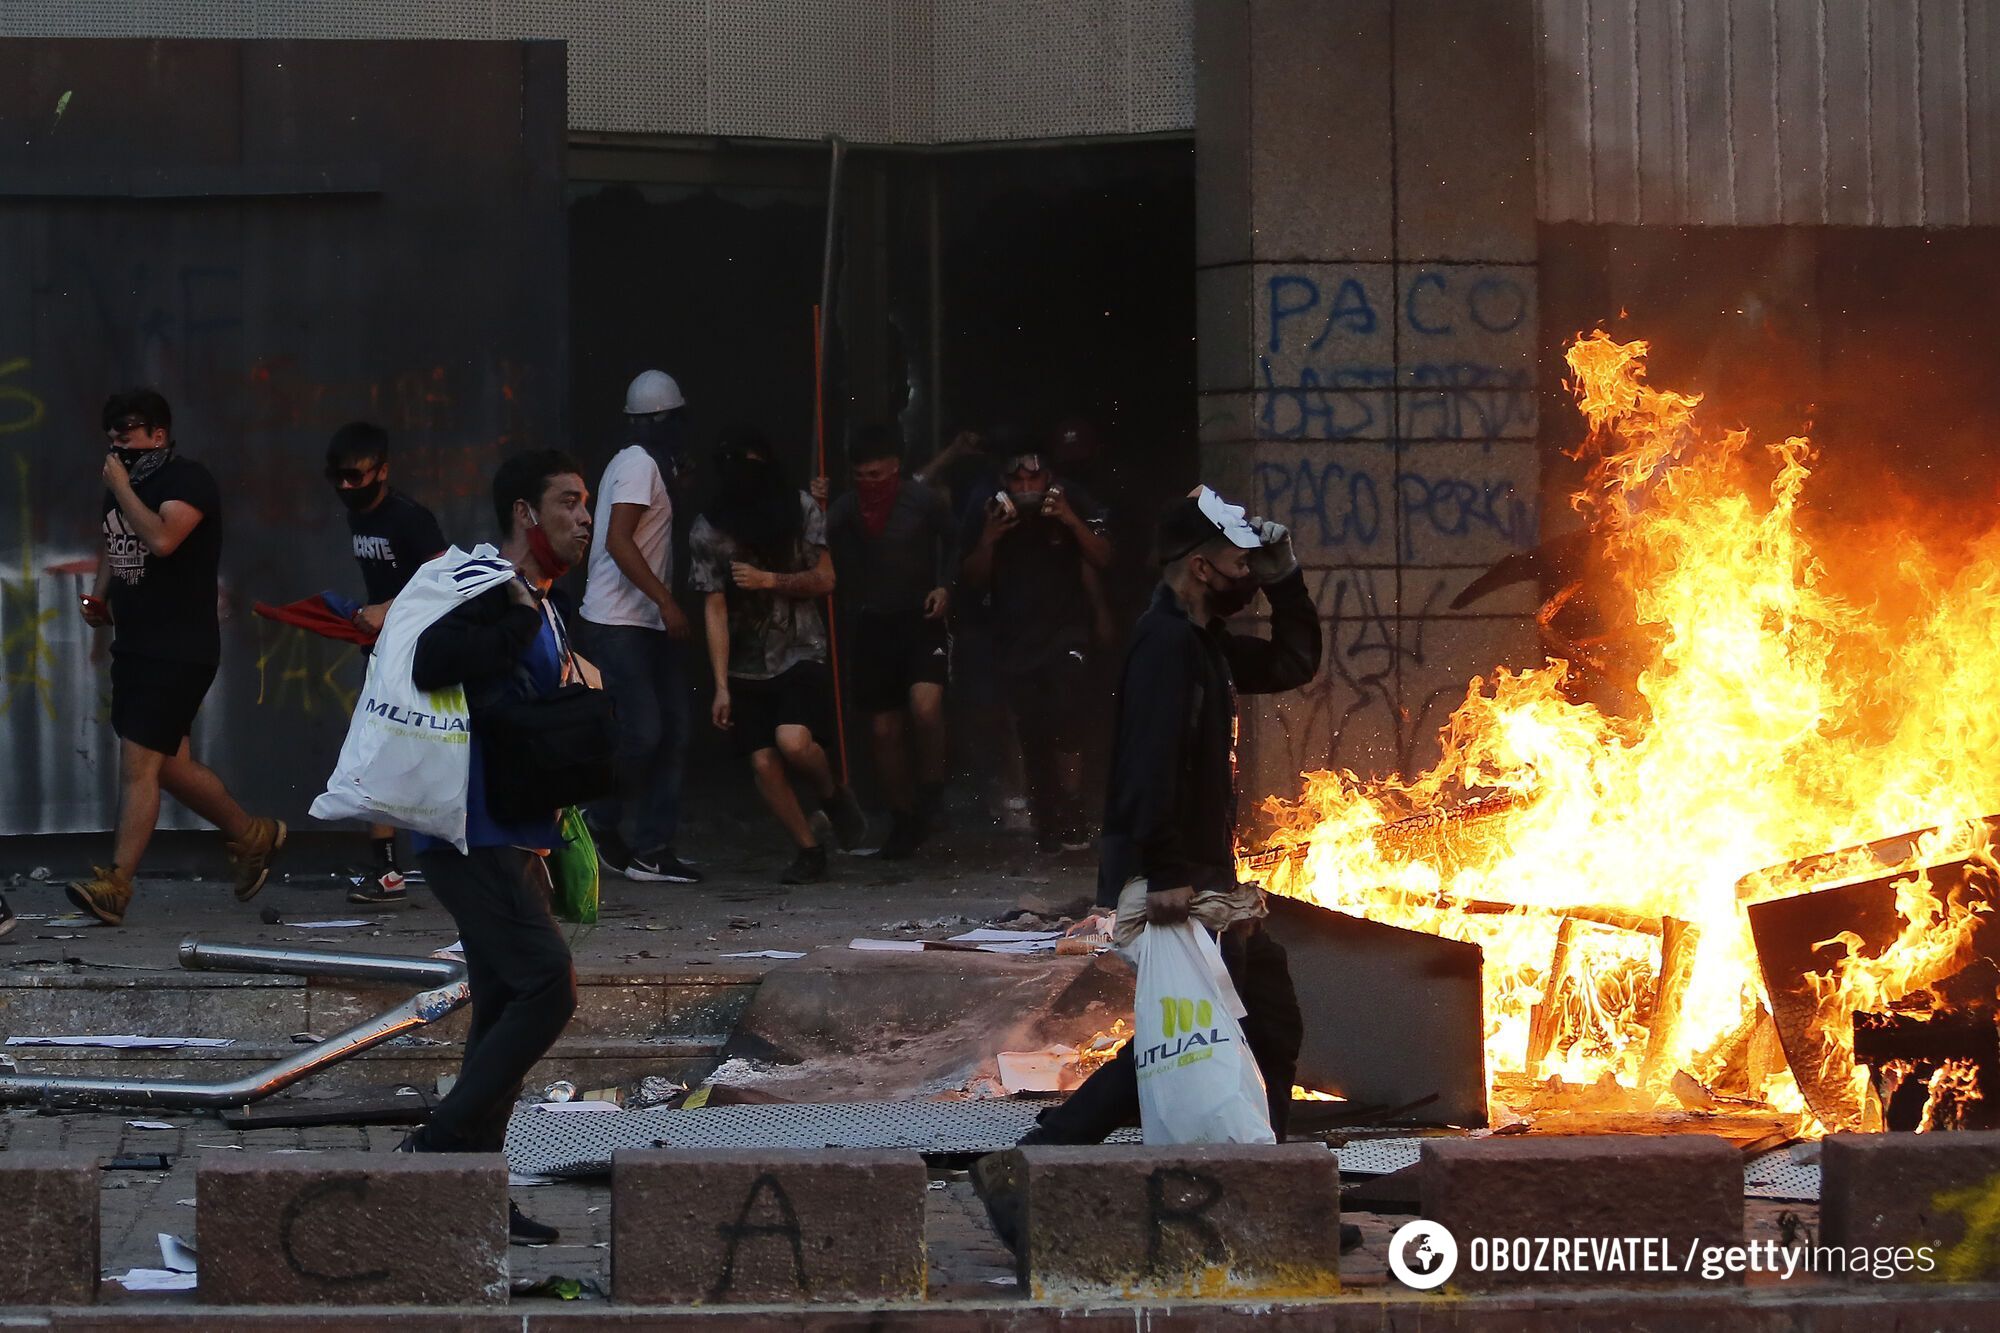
point(456, 946)
point(888, 946)
point(176, 1254)
point(150, 1124)
point(1035, 1071)
point(123, 1042)
point(578, 1105)
point(154, 1279)
point(1005, 1280)
point(327, 925)
point(1025, 946)
point(766, 953)
point(515, 1178)
point(989, 935)
point(185, 1203)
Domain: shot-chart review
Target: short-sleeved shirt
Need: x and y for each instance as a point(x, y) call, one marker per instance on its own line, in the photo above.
point(1041, 609)
point(893, 572)
point(163, 606)
point(391, 541)
point(768, 632)
point(632, 477)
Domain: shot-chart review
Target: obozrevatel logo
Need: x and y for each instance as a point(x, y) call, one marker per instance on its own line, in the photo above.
point(1422, 1255)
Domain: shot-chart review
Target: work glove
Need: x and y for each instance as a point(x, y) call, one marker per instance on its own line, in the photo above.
point(1274, 559)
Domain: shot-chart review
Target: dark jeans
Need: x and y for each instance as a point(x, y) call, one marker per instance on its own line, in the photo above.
point(1109, 1098)
point(646, 678)
point(523, 986)
point(1050, 706)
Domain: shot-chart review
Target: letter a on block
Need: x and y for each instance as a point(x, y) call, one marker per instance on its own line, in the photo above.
point(1181, 1199)
point(744, 1228)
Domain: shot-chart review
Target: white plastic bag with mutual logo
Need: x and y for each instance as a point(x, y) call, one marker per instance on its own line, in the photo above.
point(1198, 1082)
point(407, 758)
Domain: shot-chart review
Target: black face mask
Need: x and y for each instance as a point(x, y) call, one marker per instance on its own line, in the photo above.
point(359, 498)
point(1233, 596)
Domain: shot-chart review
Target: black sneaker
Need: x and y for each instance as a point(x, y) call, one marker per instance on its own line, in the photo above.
point(904, 835)
point(808, 867)
point(850, 825)
point(383, 890)
point(526, 1229)
point(661, 867)
point(612, 853)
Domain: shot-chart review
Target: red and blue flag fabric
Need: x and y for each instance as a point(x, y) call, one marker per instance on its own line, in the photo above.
point(327, 614)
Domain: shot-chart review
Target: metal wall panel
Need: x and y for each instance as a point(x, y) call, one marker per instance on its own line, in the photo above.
point(876, 71)
point(1755, 112)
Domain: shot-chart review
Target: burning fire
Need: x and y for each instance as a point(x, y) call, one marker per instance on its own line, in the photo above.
point(1758, 709)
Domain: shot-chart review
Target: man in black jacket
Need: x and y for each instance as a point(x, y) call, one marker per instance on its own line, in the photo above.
point(1170, 803)
point(507, 642)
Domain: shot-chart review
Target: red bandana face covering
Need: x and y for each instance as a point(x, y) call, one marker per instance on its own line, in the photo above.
point(878, 499)
point(545, 555)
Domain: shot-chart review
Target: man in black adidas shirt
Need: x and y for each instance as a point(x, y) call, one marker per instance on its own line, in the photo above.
point(393, 535)
point(156, 590)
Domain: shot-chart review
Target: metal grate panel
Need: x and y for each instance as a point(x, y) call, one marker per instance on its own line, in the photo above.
point(580, 1142)
point(635, 66)
point(1775, 1175)
point(876, 71)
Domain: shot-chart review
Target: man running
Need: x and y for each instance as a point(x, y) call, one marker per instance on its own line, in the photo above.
point(156, 590)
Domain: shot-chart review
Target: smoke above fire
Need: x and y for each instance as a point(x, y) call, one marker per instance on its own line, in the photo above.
point(1726, 700)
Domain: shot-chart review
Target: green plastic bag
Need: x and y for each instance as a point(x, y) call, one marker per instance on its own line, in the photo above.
point(573, 869)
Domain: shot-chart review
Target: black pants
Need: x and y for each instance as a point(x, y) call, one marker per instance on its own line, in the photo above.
point(523, 986)
point(1109, 1098)
point(1050, 707)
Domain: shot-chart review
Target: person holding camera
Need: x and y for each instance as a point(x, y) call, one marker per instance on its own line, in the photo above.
point(506, 645)
point(1032, 549)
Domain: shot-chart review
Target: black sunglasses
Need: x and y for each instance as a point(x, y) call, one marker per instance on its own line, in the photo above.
point(350, 476)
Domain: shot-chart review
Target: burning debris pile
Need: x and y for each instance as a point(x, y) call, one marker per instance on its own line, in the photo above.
point(1597, 825)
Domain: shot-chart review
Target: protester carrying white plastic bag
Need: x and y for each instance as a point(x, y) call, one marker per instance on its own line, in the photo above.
point(1198, 1082)
point(407, 757)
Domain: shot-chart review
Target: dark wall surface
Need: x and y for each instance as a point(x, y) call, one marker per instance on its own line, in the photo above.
point(281, 236)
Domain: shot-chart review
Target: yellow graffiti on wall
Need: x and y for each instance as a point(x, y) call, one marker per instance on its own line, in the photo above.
point(20, 409)
point(1974, 1256)
point(27, 659)
point(290, 671)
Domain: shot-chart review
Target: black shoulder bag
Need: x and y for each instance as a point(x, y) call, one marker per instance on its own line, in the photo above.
point(551, 751)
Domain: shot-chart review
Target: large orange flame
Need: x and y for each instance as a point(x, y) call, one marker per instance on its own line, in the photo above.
point(1768, 714)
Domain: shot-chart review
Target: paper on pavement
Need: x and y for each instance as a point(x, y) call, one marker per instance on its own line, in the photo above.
point(122, 1041)
point(176, 1254)
point(767, 953)
point(154, 1279)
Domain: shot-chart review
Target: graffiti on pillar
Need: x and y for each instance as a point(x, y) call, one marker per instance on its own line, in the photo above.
point(1378, 351)
point(1395, 421)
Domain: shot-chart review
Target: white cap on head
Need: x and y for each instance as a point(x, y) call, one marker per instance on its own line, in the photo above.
point(652, 391)
point(1228, 519)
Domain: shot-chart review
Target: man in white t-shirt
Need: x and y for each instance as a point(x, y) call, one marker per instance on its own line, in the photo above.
point(633, 630)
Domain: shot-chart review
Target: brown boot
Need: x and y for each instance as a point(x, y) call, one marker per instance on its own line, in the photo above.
point(250, 859)
point(105, 895)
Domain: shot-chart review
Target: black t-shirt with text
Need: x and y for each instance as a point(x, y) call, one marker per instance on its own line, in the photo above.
point(163, 606)
point(391, 540)
point(1041, 609)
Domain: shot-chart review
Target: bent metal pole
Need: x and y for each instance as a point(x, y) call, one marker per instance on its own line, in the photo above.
point(444, 990)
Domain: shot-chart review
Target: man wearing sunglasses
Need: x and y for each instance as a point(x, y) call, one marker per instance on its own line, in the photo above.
point(156, 591)
point(393, 535)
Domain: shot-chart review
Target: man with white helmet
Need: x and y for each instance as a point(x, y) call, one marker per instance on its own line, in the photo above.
point(633, 629)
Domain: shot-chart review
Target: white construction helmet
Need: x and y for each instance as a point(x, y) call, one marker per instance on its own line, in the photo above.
point(652, 391)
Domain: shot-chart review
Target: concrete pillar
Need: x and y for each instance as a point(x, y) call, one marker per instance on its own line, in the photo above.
point(1367, 336)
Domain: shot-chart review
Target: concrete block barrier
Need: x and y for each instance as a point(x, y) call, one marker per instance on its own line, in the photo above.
point(1200, 1220)
point(767, 1226)
point(1934, 1196)
point(49, 1246)
point(1616, 1210)
point(351, 1228)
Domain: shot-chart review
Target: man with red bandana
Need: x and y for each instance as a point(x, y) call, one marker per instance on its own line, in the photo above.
point(894, 550)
